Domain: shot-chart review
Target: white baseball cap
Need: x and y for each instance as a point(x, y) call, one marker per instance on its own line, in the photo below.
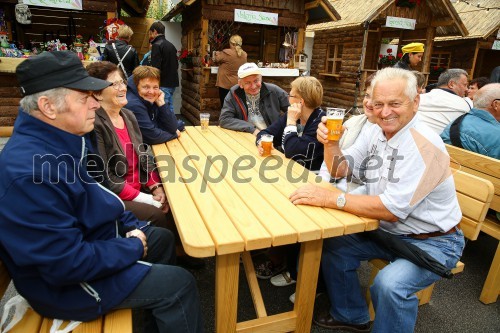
point(247, 69)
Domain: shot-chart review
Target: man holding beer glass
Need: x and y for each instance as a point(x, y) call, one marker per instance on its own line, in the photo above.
point(410, 190)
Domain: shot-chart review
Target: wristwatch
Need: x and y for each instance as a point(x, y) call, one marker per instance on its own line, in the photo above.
point(341, 200)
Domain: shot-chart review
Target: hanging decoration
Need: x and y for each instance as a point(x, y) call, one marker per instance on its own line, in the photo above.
point(23, 14)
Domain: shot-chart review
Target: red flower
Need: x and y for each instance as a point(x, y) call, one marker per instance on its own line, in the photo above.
point(389, 50)
point(390, 57)
point(400, 55)
point(436, 68)
point(380, 56)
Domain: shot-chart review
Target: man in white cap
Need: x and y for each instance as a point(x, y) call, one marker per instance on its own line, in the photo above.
point(251, 105)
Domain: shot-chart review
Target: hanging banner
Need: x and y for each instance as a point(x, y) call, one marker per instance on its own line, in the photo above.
point(400, 22)
point(250, 16)
point(68, 4)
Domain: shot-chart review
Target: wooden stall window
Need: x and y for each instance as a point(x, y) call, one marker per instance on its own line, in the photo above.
point(440, 61)
point(333, 59)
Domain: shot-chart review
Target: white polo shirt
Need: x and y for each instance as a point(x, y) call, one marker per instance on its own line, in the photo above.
point(411, 175)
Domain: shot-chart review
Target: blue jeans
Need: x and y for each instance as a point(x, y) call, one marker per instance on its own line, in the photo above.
point(168, 294)
point(169, 97)
point(393, 290)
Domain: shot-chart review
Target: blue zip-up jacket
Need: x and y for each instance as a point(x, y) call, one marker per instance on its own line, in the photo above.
point(59, 238)
point(304, 147)
point(157, 124)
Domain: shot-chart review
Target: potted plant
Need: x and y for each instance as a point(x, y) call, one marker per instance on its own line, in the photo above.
point(185, 57)
point(388, 60)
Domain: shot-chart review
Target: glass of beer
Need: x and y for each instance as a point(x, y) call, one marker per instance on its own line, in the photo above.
point(204, 120)
point(334, 118)
point(266, 140)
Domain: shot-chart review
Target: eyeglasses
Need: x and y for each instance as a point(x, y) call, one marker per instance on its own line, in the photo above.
point(118, 84)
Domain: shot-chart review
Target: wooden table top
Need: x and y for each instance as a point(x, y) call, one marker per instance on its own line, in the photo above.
point(230, 199)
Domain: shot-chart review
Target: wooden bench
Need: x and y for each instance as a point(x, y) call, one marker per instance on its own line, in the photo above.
point(487, 168)
point(119, 321)
point(474, 196)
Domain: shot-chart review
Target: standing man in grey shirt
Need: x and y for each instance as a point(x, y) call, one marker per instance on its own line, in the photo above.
point(251, 105)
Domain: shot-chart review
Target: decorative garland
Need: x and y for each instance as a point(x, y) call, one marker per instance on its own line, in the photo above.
point(478, 5)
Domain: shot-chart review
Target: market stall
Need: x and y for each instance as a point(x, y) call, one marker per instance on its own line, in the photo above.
point(347, 51)
point(273, 35)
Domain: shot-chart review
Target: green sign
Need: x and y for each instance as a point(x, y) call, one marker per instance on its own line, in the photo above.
point(250, 16)
point(68, 4)
point(400, 23)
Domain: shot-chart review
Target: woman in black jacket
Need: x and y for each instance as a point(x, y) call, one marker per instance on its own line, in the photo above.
point(120, 53)
point(412, 56)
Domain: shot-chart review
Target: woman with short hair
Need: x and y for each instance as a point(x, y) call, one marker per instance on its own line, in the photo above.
point(120, 53)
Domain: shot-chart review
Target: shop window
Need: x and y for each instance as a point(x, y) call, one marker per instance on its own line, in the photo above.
point(333, 59)
point(440, 61)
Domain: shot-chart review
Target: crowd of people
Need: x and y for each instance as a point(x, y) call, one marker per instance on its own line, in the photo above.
point(78, 247)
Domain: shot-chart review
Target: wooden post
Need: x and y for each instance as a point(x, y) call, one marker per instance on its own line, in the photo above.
point(204, 43)
point(429, 40)
point(476, 51)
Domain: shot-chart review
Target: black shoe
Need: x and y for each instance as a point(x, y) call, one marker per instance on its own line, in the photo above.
point(327, 321)
point(190, 262)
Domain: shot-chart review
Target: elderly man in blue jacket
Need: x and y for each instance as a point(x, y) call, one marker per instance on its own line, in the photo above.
point(71, 249)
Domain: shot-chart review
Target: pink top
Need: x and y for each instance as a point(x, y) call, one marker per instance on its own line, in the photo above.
point(132, 180)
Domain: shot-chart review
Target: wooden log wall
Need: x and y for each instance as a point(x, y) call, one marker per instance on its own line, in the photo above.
point(10, 95)
point(338, 91)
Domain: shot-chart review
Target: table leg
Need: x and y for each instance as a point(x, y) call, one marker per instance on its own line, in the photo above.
point(305, 294)
point(227, 269)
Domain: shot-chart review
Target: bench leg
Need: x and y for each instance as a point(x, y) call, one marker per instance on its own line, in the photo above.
point(491, 287)
point(424, 295)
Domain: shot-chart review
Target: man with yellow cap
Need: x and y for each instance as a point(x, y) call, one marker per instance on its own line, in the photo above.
point(412, 56)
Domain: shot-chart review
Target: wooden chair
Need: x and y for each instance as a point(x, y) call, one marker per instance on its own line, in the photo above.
point(487, 168)
point(119, 321)
point(474, 196)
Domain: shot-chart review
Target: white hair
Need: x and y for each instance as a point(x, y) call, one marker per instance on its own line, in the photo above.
point(391, 74)
point(57, 96)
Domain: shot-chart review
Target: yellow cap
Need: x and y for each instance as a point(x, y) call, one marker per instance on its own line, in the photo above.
point(413, 48)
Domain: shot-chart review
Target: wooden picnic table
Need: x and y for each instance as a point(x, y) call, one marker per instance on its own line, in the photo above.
point(227, 200)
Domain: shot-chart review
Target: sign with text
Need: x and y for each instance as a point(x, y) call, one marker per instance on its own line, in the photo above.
point(68, 4)
point(400, 23)
point(250, 16)
point(496, 45)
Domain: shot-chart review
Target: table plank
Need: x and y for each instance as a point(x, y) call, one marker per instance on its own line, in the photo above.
point(264, 212)
point(195, 237)
point(243, 219)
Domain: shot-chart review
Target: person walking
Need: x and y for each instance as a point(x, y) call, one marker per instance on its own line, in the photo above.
point(229, 60)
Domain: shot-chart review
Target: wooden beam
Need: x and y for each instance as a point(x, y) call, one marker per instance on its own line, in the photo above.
point(99, 6)
point(311, 5)
point(476, 51)
point(443, 23)
point(429, 40)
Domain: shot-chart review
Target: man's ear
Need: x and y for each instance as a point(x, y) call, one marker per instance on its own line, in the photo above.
point(416, 103)
point(46, 107)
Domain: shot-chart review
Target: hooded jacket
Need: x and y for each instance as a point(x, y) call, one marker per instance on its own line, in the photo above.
point(164, 57)
point(59, 238)
point(157, 123)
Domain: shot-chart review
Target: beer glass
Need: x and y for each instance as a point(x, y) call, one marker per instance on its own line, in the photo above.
point(266, 141)
point(204, 120)
point(334, 118)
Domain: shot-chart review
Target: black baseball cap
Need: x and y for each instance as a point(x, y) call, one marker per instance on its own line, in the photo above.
point(50, 70)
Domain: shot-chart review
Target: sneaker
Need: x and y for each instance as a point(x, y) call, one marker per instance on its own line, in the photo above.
point(266, 269)
point(292, 297)
point(282, 280)
point(326, 320)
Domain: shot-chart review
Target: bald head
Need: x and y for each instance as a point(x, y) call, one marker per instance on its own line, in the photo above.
point(488, 98)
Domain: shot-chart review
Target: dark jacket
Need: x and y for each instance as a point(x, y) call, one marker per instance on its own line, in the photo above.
point(59, 238)
point(273, 99)
point(130, 61)
point(164, 57)
point(113, 154)
point(402, 64)
point(157, 124)
point(305, 149)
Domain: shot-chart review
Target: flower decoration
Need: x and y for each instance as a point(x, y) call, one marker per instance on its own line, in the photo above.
point(437, 70)
point(185, 57)
point(389, 59)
